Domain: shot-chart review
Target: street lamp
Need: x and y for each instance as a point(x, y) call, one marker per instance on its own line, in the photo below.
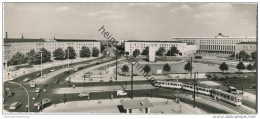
point(25, 91)
point(68, 57)
point(41, 62)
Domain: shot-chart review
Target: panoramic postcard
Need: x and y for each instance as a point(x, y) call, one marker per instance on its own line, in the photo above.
point(129, 58)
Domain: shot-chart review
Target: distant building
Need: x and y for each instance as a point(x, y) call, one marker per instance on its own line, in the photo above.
point(218, 44)
point(184, 49)
point(24, 45)
point(137, 106)
point(248, 47)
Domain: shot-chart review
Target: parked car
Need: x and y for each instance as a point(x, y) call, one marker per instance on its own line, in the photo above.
point(15, 105)
point(52, 70)
point(83, 94)
point(121, 93)
point(56, 82)
point(37, 90)
point(44, 76)
point(26, 79)
point(32, 85)
point(75, 70)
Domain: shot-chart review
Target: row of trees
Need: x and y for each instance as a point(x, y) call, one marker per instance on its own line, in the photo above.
point(240, 66)
point(244, 55)
point(30, 57)
point(187, 67)
point(160, 52)
point(33, 57)
point(147, 68)
point(59, 54)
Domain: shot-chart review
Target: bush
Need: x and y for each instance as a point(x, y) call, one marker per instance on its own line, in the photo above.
point(208, 76)
point(215, 78)
point(234, 77)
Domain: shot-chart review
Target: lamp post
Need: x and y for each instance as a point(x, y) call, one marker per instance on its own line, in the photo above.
point(25, 91)
point(68, 57)
point(41, 62)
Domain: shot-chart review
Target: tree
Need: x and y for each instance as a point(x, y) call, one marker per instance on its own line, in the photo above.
point(145, 51)
point(223, 67)
point(188, 67)
point(125, 69)
point(147, 69)
point(58, 54)
point(250, 67)
point(240, 66)
point(72, 53)
point(160, 51)
point(173, 51)
point(254, 55)
point(18, 58)
point(46, 55)
point(84, 52)
point(166, 67)
point(136, 53)
point(95, 52)
point(121, 48)
point(243, 54)
point(31, 57)
point(102, 47)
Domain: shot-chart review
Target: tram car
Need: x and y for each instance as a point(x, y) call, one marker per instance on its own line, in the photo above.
point(170, 84)
point(198, 89)
point(227, 97)
point(232, 90)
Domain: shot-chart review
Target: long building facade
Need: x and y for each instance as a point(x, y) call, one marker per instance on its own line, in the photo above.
point(184, 48)
point(218, 44)
point(24, 45)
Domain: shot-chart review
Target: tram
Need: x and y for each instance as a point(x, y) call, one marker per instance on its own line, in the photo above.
point(227, 97)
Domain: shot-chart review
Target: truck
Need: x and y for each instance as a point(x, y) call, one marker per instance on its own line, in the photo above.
point(121, 93)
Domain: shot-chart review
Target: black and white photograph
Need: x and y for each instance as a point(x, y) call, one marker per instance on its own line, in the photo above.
point(130, 58)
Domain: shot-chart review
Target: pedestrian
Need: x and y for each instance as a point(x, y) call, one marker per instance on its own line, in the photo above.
point(44, 90)
point(73, 86)
point(33, 99)
point(38, 108)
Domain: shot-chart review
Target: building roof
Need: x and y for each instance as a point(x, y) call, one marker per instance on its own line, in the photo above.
point(247, 43)
point(11, 40)
point(136, 104)
point(155, 41)
point(75, 40)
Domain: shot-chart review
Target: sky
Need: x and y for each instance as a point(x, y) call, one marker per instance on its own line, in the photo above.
point(138, 21)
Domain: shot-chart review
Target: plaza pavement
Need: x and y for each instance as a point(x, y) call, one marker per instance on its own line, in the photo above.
point(160, 105)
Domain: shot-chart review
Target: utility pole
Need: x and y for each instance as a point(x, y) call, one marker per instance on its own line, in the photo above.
point(194, 90)
point(197, 81)
point(132, 93)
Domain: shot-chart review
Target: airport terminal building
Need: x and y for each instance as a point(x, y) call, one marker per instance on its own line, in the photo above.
point(218, 44)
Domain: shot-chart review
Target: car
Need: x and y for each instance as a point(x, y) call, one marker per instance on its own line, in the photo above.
point(15, 105)
point(38, 75)
point(26, 79)
point(83, 94)
point(121, 93)
point(52, 70)
point(37, 90)
point(56, 82)
point(37, 104)
point(44, 76)
point(75, 70)
point(32, 85)
point(10, 94)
